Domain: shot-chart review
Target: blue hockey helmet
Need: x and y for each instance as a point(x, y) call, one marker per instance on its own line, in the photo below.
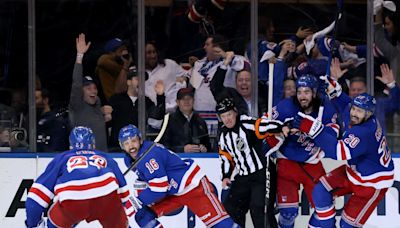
point(129, 131)
point(307, 80)
point(365, 101)
point(82, 138)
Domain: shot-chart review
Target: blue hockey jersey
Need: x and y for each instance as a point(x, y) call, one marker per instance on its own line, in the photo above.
point(364, 146)
point(165, 172)
point(300, 147)
point(75, 175)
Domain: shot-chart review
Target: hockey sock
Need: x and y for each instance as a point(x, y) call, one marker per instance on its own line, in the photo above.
point(287, 216)
point(314, 221)
point(324, 206)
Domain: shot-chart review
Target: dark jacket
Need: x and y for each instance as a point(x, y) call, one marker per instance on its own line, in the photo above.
point(219, 92)
point(52, 132)
point(125, 112)
point(181, 132)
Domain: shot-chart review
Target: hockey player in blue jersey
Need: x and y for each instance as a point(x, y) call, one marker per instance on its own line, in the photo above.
point(84, 184)
point(299, 159)
point(369, 171)
point(172, 183)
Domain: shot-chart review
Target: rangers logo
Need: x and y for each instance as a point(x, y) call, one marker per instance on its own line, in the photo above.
point(241, 144)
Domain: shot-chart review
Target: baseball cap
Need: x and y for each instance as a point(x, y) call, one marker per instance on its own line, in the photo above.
point(185, 92)
point(87, 80)
point(132, 72)
point(113, 44)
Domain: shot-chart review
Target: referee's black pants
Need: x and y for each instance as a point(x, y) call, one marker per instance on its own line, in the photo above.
point(248, 192)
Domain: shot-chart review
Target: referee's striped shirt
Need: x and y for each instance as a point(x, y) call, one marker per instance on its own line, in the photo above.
point(241, 148)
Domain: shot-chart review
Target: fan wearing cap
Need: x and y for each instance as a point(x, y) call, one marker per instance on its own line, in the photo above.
point(240, 149)
point(186, 131)
point(369, 171)
point(126, 107)
point(112, 67)
point(85, 106)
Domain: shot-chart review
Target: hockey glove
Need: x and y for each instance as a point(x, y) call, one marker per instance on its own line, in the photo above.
point(273, 143)
point(333, 88)
point(145, 217)
point(132, 206)
point(307, 124)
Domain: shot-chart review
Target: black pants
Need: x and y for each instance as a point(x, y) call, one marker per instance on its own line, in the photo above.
point(248, 192)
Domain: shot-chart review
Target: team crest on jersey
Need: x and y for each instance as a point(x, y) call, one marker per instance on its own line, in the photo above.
point(241, 144)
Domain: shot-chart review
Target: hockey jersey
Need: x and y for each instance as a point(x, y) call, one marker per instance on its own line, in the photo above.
point(165, 172)
point(75, 175)
point(300, 147)
point(365, 148)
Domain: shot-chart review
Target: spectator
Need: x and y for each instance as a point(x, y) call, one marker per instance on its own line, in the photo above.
point(112, 67)
point(243, 92)
point(52, 128)
point(204, 69)
point(358, 85)
point(289, 88)
point(387, 38)
point(85, 107)
point(186, 131)
point(167, 70)
point(126, 107)
point(4, 136)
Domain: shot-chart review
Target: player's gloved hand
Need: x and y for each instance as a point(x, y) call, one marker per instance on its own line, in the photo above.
point(132, 206)
point(145, 217)
point(307, 124)
point(139, 186)
point(333, 88)
point(272, 143)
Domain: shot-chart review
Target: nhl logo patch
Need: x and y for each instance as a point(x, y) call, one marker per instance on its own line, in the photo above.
point(241, 144)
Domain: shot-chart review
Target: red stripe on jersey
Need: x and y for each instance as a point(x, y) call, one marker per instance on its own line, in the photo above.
point(86, 186)
point(124, 194)
point(327, 214)
point(375, 180)
point(41, 194)
point(159, 184)
point(342, 150)
point(190, 178)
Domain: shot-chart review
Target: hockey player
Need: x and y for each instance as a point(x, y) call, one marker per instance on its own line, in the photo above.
point(172, 183)
point(369, 172)
point(299, 160)
point(85, 184)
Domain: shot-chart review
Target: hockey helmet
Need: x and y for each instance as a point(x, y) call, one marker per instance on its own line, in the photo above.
point(365, 101)
point(307, 80)
point(82, 138)
point(225, 105)
point(129, 131)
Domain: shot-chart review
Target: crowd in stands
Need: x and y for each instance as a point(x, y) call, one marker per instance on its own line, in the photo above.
point(107, 99)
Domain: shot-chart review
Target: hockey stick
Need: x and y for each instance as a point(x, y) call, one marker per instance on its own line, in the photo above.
point(158, 138)
point(267, 173)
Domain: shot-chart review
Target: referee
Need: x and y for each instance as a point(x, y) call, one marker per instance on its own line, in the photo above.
point(241, 150)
